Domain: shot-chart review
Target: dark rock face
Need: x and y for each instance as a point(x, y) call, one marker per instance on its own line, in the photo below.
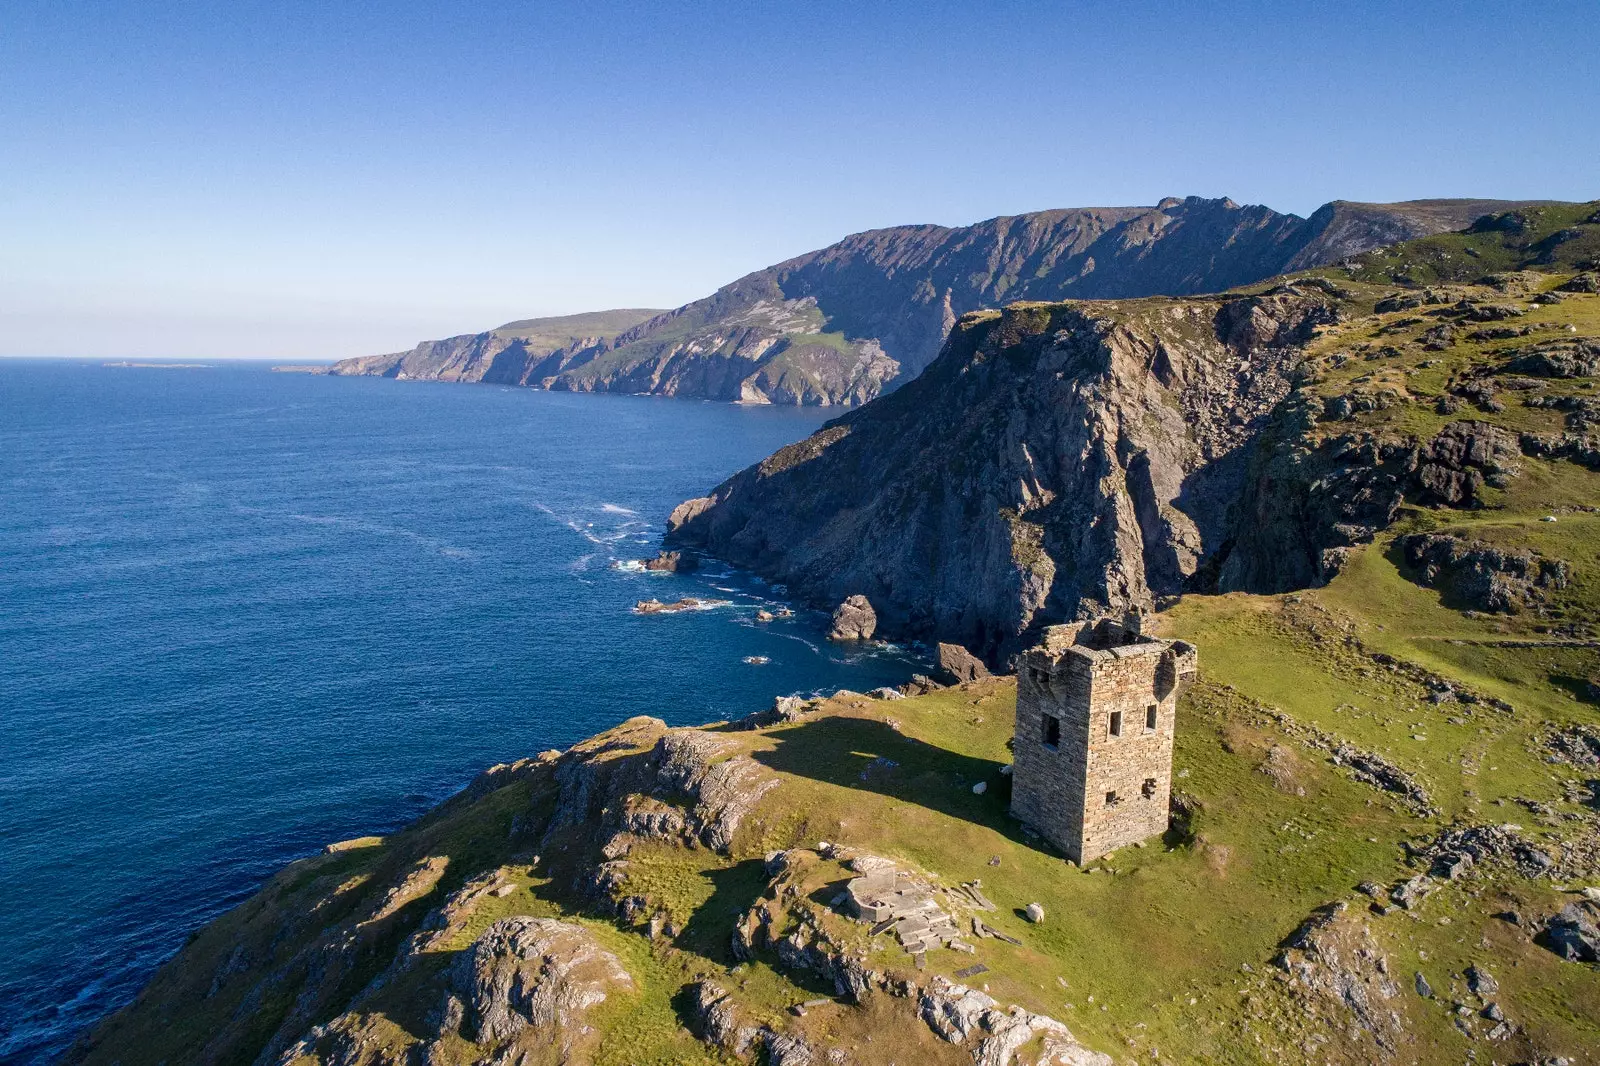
point(1462, 459)
point(1055, 461)
point(842, 324)
point(1481, 576)
point(1062, 461)
point(1303, 508)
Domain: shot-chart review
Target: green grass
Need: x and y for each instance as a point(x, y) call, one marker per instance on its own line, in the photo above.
point(558, 332)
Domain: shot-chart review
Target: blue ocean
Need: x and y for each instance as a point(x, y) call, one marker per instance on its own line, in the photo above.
point(244, 613)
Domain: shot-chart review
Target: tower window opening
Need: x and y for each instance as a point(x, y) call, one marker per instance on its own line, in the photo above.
point(1116, 723)
point(1149, 788)
point(1150, 713)
point(1111, 798)
point(1052, 731)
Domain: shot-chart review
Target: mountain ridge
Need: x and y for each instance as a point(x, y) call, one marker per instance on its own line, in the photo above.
point(842, 324)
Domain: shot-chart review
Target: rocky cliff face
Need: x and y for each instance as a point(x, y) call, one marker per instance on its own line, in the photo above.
point(1055, 455)
point(850, 321)
point(1059, 460)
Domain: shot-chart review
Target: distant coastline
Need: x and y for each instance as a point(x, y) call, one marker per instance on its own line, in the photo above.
point(164, 366)
point(302, 368)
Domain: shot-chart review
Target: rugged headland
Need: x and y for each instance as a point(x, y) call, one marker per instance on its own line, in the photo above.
point(1058, 460)
point(842, 324)
point(1369, 495)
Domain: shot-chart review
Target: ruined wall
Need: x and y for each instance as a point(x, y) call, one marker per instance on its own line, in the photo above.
point(1095, 791)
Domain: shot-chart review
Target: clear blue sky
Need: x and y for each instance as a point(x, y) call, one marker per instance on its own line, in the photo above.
point(325, 179)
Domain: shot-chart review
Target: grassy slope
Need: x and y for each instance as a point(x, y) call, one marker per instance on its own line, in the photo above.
point(560, 331)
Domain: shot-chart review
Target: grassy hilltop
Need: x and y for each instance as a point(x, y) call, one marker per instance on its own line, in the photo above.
point(1387, 785)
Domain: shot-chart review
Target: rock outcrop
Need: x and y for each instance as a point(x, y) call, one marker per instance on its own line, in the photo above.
point(1341, 976)
point(672, 563)
point(1481, 576)
point(854, 619)
point(842, 324)
point(966, 1016)
point(528, 973)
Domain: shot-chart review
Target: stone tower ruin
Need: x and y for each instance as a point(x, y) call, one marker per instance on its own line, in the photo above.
point(1092, 758)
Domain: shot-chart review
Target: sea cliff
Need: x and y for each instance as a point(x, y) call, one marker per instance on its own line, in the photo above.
point(845, 323)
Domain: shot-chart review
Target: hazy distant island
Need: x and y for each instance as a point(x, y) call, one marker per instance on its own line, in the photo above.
point(1266, 724)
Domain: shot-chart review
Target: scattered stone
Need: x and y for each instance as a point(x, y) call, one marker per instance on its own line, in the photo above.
point(980, 788)
point(972, 971)
point(854, 619)
point(888, 894)
point(1424, 989)
point(1577, 745)
point(1452, 866)
point(887, 693)
point(1494, 1013)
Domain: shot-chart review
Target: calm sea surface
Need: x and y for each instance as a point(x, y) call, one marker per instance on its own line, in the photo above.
point(243, 614)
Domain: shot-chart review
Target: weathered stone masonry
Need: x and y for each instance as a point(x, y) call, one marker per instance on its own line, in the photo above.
point(1096, 710)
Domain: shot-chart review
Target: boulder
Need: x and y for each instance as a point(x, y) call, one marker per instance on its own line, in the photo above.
point(854, 619)
point(957, 664)
point(1481, 982)
point(1573, 933)
point(1035, 913)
